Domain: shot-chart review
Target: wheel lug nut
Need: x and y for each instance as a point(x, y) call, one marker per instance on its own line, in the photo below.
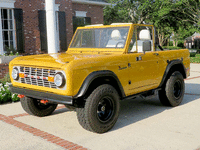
point(103, 108)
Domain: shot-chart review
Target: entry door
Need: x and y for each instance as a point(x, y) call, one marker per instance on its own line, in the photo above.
point(143, 71)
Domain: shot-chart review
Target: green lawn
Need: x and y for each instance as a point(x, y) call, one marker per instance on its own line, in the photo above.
point(195, 59)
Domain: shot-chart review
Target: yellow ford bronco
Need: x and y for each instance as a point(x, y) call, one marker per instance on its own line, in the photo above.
point(103, 65)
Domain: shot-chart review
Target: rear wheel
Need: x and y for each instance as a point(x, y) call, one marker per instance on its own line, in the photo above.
point(173, 92)
point(101, 110)
point(34, 107)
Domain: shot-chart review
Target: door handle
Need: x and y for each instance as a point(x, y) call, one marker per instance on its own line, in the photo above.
point(139, 58)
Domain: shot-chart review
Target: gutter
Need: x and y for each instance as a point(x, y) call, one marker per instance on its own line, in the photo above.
point(91, 2)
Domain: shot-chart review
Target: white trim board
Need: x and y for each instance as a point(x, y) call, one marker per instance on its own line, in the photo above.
point(7, 3)
point(80, 13)
point(91, 2)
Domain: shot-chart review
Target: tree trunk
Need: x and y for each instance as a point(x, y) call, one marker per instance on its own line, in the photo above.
point(174, 43)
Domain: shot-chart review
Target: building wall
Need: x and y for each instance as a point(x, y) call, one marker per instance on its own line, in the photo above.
point(93, 11)
point(31, 23)
point(66, 6)
point(3, 70)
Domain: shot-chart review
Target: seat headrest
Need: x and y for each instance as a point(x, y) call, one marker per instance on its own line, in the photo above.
point(145, 34)
point(115, 35)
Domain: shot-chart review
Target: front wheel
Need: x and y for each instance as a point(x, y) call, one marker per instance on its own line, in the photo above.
point(34, 107)
point(173, 92)
point(101, 109)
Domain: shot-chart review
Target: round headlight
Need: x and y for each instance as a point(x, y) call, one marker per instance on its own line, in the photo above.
point(15, 73)
point(59, 79)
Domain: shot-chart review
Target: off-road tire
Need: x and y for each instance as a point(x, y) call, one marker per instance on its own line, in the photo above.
point(34, 107)
point(70, 108)
point(173, 92)
point(101, 110)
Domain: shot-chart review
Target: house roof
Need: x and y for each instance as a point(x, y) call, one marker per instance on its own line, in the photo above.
point(92, 2)
point(195, 36)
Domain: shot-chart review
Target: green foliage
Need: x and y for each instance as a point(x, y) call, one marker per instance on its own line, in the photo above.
point(10, 51)
point(195, 59)
point(5, 79)
point(15, 98)
point(115, 13)
point(171, 47)
point(128, 11)
point(192, 54)
point(179, 18)
point(6, 95)
point(175, 18)
point(180, 44)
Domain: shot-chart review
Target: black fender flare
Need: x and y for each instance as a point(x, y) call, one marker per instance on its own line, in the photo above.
point(94, 75)
point(169, 66)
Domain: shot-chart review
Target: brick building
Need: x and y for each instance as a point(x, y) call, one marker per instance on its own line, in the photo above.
point(23, 23)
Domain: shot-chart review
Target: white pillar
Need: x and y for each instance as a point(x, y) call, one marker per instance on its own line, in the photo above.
point(51, 26)
point(1, 37)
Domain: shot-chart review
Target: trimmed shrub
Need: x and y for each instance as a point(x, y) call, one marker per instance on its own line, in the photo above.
point(192, 54)
point(5, 79)
point(171, 47)
point(5, 94)
point(180, 44)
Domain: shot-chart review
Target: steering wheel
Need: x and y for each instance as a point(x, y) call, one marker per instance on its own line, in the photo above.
point(119, 43)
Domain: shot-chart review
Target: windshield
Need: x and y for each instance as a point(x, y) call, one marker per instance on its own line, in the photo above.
point(114, 37)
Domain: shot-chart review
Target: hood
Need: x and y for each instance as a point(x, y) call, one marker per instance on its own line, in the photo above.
point(52, 60)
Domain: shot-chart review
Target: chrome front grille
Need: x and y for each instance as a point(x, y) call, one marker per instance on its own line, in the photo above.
point(37, 76)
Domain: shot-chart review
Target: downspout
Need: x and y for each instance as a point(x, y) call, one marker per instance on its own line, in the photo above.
point(51, 26)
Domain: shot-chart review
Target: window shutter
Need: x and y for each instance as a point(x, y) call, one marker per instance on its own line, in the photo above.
point(43, 30)
point(18, 15)
point(62, 30)
point(87, 20)
point(75, 23)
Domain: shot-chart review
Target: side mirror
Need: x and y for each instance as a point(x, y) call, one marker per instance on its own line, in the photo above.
point(146, 46)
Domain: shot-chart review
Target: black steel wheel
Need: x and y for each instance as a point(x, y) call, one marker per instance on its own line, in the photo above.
point(101, 110)
point(105, 109)
point(35, 107)
point(177, 89)
point(173, 92)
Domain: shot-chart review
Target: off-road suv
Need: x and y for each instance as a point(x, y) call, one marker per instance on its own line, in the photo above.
point(103, 65)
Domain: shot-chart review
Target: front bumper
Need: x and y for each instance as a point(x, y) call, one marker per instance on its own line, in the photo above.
point(59, 99)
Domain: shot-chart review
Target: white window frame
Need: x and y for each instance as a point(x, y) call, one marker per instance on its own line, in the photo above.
point(80, 13)
point(13, 27)
point(1, 37)
point(7, 4)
